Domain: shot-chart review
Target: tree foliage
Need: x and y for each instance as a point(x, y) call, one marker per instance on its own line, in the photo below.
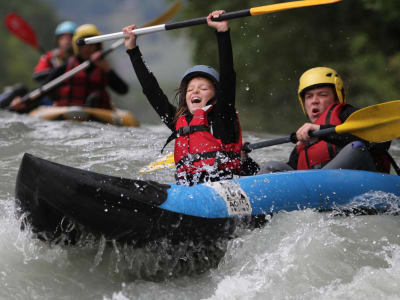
point(357, 38)
point(17, 58)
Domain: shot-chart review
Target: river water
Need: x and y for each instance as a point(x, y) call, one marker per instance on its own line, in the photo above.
point(297, 255)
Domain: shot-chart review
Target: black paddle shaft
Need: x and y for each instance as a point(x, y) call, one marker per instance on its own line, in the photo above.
point(282, 140)
point(287, 139)
point(203, 20)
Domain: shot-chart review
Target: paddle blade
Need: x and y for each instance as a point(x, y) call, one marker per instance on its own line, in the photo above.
point(167, 15)
point(166, 161)
point(288, 5)
point(17, 26)
point(376, 123)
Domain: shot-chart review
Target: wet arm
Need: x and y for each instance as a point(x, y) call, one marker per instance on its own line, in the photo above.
point(151, 89)
point(56, 72)
point(117, 83)
point(227, 72)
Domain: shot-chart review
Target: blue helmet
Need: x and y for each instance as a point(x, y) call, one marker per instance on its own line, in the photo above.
point(66, 27)
point(202, 71)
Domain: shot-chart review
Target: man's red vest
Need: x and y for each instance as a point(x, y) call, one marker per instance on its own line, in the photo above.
point(76, 89)
point(320, 153)
point(198, 150)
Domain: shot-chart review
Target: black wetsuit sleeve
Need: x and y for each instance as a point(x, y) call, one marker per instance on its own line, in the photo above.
point(116, 83)
point(227, 71)
point(41, 76)
point(56, 72)
point(151, 89)
point(223, 117)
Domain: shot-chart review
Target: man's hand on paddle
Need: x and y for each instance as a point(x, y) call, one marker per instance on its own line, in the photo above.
point(302, 133)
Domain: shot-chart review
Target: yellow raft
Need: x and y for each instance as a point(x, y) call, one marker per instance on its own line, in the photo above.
point(117, 117)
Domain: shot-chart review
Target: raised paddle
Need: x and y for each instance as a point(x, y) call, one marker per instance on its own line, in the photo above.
point(21, 29)
point(28, 101)
point(376, 123)
point(260, 10)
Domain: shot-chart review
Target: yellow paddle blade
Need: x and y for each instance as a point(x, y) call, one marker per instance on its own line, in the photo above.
point(166, 161)
point(164, 17)
point(288, 5)
point(376, 123)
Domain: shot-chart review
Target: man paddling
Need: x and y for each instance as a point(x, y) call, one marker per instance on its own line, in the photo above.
point(322, 99)
point(87, 87)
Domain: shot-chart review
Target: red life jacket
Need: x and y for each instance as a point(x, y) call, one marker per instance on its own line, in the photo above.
point(321, 152)
point(49, 60)
point(77, 88)
point(197, 150)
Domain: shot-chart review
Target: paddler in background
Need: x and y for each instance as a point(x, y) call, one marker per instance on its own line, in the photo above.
point(205, 125)
point(88, 87)
point(47, 62)
point(58, 56)
point(322, 98)
point(55, 58)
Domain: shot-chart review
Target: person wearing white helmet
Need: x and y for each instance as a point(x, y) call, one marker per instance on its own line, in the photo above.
point(322, 98)
point(60, 54)
point(204, 124)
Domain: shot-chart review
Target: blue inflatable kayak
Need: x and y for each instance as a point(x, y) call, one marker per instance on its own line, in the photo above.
point(51, 196)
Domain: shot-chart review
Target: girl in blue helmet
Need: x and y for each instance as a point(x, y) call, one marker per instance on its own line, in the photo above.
point(204, 125)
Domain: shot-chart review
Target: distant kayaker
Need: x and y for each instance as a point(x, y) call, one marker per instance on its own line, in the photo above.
point(58, 56)
point(87, 87)
point(322, 98)
point(205, 125)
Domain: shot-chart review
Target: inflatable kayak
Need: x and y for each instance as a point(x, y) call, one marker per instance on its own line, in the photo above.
point(50, 196)
point(77, 113)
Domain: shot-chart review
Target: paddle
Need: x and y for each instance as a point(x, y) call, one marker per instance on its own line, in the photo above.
point(376, 123)
point(21, 29)
point(226, 16)
point(167, 161)
point(29, 100)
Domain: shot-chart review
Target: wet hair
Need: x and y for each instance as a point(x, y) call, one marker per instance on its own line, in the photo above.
point(180, 98)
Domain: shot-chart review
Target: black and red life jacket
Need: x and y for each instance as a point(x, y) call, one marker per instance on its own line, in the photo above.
point(320, 153)
point(76, 89)
point(197, 150)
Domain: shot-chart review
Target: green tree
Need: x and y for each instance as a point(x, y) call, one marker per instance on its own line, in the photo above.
point(17, 58)
point(357, 38)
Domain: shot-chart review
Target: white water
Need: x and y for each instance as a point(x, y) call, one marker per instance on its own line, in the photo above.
point(298, 255)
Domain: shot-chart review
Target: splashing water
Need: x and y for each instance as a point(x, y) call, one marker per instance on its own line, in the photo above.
point(297, 255)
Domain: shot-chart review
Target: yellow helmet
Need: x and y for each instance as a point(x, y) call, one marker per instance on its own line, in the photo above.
point(83, 31)
point(318, 77)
